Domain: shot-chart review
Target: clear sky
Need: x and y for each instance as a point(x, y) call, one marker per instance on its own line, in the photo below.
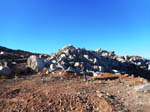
point(45, 26)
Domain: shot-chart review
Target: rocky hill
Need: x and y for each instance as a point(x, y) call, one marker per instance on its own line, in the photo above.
point(96, 62)
point(70, 59)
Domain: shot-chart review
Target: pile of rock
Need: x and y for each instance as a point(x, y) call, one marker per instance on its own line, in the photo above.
point(69, 59)
point(95, 62)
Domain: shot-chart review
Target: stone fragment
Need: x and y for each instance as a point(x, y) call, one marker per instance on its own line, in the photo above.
point(101, 69)
point(115, 71)
point(77, 64)
point(62, 56)
point(95, 61)
point(149, 67)
point(53, 61)
point(86, 56)
point(52, 66)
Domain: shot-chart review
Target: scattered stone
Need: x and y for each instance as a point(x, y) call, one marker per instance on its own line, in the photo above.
point(100, 95)
point(101, 69)
point(76, 64)
point(86, 56)
point(115, 71)
point(62, 55)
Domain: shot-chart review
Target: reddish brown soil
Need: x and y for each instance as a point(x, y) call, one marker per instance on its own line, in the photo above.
point(67, 92)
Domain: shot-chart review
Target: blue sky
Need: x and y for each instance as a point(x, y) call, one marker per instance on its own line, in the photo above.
point(45, 26)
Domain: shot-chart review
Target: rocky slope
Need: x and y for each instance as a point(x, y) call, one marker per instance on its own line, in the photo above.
point(14, 62)
point(96, 62)
point(69, 58)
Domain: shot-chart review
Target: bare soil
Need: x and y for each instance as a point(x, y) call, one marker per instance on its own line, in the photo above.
point(68, 92)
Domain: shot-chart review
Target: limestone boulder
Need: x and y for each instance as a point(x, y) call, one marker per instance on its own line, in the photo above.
point(35, 63)
point(76, 64)
point(143, 88)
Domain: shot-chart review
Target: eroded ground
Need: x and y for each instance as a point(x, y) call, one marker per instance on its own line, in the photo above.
point(67, 92)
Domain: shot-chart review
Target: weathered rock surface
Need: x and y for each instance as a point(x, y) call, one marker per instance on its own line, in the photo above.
point(144, 88)
point(35, 63)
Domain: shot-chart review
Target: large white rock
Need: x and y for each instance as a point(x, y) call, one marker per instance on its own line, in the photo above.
point(77, 64)
point(1, 52)
point(138, 63)
point(35, 63)
point(52, 66)
point(86, 56)
point(62, 55)
point(1, 67)
point(95, 61)
point(143, 88)
point(66, 52)
point(149, 67)
point(105, 54)
point(54, 61)
point(71, 57)
point(96, 67)
point(101, 69)
point(121, 60)
point(115, 71)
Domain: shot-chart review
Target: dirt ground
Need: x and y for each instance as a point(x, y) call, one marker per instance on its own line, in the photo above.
point(67, 92)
